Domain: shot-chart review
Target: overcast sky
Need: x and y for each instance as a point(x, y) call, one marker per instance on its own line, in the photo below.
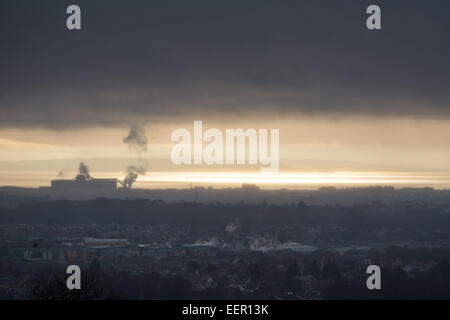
point(157, 60)
point(342, 96)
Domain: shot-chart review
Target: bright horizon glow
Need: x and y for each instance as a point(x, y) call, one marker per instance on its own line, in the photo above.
point(292, 180)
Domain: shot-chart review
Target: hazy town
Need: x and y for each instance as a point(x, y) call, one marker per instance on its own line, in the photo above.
point(317, 247)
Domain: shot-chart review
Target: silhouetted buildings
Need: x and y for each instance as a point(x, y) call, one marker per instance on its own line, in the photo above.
point(83, 185)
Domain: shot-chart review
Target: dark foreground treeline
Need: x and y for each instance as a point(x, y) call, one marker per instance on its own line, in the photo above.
point(396, 284)
point(142, 211)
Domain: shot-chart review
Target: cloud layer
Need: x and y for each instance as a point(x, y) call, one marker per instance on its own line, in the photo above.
point(184, 59)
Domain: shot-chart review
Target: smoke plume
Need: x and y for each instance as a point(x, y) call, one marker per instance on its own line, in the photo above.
point(136, 139)
point(60, 173)
point(132, 174)
point(231, 227)
point(84, 170)
point(137, 142)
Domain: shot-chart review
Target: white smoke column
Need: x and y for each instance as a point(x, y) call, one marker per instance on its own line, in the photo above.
point(231, 227)
point(61, 173)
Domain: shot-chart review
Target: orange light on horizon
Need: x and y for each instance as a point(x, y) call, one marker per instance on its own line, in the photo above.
point(325, 178)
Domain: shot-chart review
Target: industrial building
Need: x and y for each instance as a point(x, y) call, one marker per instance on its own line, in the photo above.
point(84, 185)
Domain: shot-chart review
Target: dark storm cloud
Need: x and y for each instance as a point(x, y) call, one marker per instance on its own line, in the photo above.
point(137, 60)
